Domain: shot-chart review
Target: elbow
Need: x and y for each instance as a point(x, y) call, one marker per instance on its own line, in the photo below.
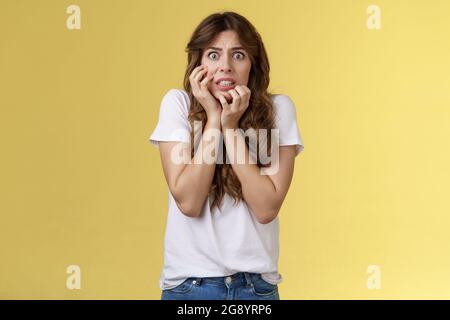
point(266, 213)
point(186, 205)
point(266, 220)
point(269, 209)
point(188, 209)
point(268, 217)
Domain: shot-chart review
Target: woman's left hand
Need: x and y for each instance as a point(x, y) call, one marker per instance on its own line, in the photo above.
point(231, 113)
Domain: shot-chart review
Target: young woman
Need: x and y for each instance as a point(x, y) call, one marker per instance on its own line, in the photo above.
point(222, 231)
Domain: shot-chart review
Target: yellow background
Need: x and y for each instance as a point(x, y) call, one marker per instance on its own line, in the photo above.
point(81, 184)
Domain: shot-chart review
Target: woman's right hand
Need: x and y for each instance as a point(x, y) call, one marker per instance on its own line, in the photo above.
point(201, 92)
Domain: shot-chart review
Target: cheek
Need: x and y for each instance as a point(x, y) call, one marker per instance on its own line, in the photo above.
point(211, 84)
point(244, 75)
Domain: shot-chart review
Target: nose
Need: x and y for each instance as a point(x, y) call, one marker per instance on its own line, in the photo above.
point(225, 65)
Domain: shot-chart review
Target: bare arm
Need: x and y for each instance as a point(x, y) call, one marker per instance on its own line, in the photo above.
point(263, 193)
point(189, 183)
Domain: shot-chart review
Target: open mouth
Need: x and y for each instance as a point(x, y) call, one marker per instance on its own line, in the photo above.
point(226, 85)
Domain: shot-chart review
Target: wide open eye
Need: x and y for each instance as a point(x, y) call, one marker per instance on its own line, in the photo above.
point(213, 55)
point(240, 55)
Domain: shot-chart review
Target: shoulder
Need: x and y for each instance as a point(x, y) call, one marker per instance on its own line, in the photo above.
point(282, 101)
point(176, 99)
point(283, 105)
point(177, 93)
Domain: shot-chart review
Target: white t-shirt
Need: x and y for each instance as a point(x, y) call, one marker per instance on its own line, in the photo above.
point(228, 239)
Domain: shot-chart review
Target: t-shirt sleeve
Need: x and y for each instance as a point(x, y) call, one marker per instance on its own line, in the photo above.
point(173, 124)
point(286, 122)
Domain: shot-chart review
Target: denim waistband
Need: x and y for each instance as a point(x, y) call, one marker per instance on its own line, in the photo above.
point(234, 280)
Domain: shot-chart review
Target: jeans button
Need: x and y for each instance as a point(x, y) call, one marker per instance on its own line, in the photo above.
point(228, 280)
point(194, 282)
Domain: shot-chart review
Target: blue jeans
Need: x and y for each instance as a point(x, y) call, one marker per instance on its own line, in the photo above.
point(239, 286)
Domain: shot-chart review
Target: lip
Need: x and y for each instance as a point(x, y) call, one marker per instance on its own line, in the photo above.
point(225, 88)
point(222, 88)
point(225, 79)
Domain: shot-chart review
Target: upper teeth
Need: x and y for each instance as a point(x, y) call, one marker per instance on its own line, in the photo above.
point(226, 83)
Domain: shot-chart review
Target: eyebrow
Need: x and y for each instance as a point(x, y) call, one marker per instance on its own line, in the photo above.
point(220, 49)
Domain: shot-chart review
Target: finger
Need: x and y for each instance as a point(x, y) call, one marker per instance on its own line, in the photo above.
point(204, 82)
point(236, 99)
point(196, 79)
point(196, 71)
point(240, 91)
point(200, 74)
point(245, 96)
point(223, 102)
point(228, 96)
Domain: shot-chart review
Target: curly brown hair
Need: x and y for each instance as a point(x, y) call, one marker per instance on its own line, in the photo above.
point(260, 112)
